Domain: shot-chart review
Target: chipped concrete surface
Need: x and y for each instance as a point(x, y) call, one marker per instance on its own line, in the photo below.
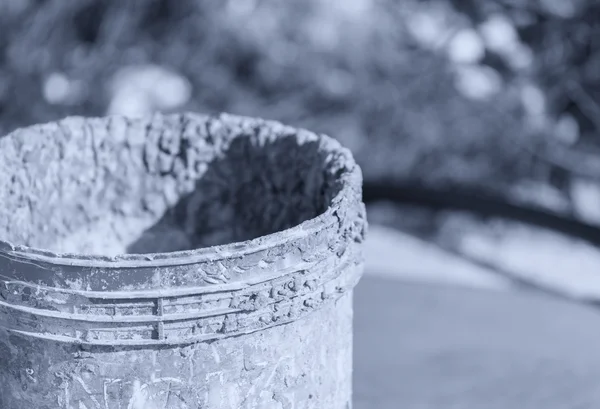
point(250, 309)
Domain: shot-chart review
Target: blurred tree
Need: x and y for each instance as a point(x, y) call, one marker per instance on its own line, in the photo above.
point(428, 91)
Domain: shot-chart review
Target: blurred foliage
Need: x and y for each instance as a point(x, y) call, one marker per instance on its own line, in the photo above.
point(565, 39)
point(373, 73)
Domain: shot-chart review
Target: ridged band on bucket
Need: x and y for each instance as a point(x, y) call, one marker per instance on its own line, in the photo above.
point(128, 235)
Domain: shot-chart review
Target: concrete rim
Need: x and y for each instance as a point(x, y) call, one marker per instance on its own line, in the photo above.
point(350, 178)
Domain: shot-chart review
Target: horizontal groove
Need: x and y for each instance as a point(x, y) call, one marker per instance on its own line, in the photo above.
point(161, 293)
point(160, 342)
point(348, 267)
point(117, 319)
point(143, 342)
point(82, 317)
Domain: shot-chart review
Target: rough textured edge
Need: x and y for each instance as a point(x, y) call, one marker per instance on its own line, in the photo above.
point(345, 215)
point(219, 274)
point(350, 177)
point(314, 247)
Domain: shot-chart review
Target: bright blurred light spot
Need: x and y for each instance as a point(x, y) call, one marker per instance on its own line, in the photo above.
point(567, 129)
point(533, 100)
point(586, 199)
point(477, 81)
point(428, 27)
point(171, 91)
point(56, 88)
point(466, 47)
point(499, 34)
point(130, 102)
point(540, 192)
point(139, 90)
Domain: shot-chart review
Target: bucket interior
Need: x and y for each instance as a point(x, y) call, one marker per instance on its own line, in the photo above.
point(96, 187)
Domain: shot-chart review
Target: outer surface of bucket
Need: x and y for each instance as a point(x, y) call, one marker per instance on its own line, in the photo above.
point(193, 262)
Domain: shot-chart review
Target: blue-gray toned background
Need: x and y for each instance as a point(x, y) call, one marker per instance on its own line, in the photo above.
point(501, 96)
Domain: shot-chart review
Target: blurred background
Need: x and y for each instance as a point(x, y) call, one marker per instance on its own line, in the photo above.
point(502, 94)
point(491, 98)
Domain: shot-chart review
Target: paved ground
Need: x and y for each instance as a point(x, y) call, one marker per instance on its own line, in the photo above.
point(392, 254)
point(436, 346)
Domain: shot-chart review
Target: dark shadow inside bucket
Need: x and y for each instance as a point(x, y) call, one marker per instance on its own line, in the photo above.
point(249, 192)
point(82, 192)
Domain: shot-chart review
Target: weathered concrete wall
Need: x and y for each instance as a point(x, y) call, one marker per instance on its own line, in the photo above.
point(140, 313)
point(304, 364)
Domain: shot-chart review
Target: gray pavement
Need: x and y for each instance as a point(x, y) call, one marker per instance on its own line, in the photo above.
point(431, 346)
